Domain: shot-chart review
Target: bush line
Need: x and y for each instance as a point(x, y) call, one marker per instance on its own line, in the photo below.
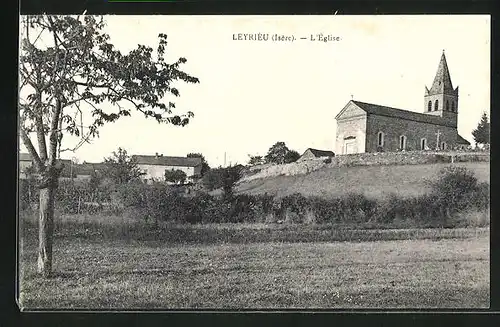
point(454, 191)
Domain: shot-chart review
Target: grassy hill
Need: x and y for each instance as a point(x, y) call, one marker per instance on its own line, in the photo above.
point(373, 181)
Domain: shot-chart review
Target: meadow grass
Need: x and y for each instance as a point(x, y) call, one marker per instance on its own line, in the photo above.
point(372, 181)
point(116, 227)
point(119, 274)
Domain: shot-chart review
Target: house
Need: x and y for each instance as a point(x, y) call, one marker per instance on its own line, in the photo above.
point(314, 153)
point(366, 127)
point(26, 161)
point(154, 166)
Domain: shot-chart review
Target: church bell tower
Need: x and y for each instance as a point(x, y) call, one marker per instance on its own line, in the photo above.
point(442, 99)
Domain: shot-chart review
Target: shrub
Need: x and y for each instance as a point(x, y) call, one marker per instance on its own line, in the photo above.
point(209, 208)
point(230, 176)
point(325, 210)
point(242, 209)
point(295, 204)
point(356, 208)
point(224, 178)
point(263, 207)
point(454, 192)
point(421, 211)
point(175, 176)
point(454, 189)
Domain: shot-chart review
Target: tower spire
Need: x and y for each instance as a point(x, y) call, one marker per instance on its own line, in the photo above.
point(442, 82)
point(441, 99)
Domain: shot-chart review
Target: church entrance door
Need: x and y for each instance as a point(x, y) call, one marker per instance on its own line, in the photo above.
point(350, 146)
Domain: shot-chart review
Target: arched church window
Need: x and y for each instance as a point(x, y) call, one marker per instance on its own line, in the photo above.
point(447, 105)
point(402, 142)
point(443, 145)
point(436, 105)
point(380, 139)
point(429, 106)
point(423, 144)
point(453, 108)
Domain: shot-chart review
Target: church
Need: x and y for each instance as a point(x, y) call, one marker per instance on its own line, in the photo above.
point(366, 127)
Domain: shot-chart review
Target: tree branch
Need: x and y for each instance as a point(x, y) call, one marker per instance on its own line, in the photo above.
point(31, 149)
point(40, 130)
point(53, 133)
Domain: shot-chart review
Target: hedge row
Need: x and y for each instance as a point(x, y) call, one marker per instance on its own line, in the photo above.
point(455, 190)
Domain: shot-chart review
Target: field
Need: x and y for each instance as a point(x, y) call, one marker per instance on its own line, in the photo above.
point(121, 261)
point(449, 270)
point(373, 181)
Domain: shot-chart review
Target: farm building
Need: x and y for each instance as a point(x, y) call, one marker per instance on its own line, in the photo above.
point(154, 166)
point(26, 161)
point(365, 127)
point(315, 153)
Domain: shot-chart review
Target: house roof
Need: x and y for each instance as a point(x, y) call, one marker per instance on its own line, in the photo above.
point(24, 157)
point(27, 157)
point(376, 109)
point(321, 153)
point(461, 140)
point(167, 161)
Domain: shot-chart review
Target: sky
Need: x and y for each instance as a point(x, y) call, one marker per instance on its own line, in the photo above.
point(253, 94)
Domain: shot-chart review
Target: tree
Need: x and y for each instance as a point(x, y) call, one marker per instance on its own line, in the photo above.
point(482, 132)
point(204, 165)
point(71, 79)
point(175, 176)
point(230, 176)
point(213, 179)
point(255, 160)
point(291, 156)
point(224, 178)
point(120, 167)
point(277, 153)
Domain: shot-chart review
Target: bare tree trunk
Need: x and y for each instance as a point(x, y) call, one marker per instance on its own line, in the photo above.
point(46, 230)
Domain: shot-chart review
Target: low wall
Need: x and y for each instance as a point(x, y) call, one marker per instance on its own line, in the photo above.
point(407, 158)
point(365, 159)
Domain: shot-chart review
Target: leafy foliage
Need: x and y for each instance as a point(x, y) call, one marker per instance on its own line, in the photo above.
point(222, 177)
point(121, 168)
point(230, 176)
point(175, 176)
point(276, 153)
point(71, 75)
point(291, 156)
point(456, 189)
point(482, 132)
point(453, 194)
point(279, 153)
point(73, 81)
point(255, 160)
